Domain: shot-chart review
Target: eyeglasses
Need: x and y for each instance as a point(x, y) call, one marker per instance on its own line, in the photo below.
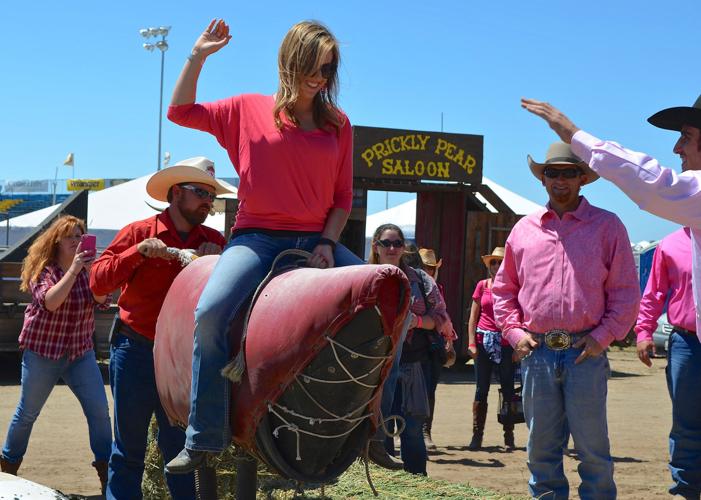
point(327, 70)
point(391, 243)
point(567, 173)
point(202, 194)
point(494, 262)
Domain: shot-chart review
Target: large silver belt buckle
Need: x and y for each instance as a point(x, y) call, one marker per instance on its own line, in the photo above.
point(558, 340)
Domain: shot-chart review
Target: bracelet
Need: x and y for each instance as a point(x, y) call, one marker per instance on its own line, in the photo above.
point(327, 241)
point(191, 58)
point(419, 321)
point(472, 345)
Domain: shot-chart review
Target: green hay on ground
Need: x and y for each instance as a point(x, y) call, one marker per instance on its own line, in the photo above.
point(352, 485)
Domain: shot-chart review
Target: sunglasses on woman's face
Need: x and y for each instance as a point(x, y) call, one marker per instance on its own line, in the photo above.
point(199, 192)
point(494, 262)
point(391, 243)
point(567, 173)
point(327, 70)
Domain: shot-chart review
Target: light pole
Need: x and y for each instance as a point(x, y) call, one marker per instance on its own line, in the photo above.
point(161, 45)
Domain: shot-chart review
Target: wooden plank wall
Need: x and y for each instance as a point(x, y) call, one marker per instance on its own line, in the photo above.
point(460, 231)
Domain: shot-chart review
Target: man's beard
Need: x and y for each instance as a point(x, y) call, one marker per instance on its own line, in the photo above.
point(193, 217)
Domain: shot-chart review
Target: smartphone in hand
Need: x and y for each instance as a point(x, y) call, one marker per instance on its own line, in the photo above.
point(88, 243)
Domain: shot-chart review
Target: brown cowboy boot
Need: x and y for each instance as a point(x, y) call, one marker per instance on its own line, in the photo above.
point(379, 456)
point(479, 416)
point(101, 468)
point(9, 467)
point(428, 440)
point(509, 427)
point(509, 436)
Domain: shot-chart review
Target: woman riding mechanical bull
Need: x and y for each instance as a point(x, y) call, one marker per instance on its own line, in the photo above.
point(292, 152)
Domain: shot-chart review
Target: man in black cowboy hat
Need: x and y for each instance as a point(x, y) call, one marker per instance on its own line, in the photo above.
point(566, 289)
point(676, 197)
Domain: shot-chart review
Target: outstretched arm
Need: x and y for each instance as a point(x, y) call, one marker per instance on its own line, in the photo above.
point(210, 41)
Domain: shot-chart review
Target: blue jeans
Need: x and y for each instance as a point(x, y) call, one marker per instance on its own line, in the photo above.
point(39, 376)
point(413, 448)
point(135, 400)
point(560, 398)
point(389, 386)
point(683, 381)
point(240, 269)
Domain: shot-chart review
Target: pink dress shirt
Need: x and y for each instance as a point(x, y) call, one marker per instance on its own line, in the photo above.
point(576, 273)
point(670, 277)
point(656, 189)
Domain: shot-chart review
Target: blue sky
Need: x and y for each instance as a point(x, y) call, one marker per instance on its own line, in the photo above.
point(76, 78)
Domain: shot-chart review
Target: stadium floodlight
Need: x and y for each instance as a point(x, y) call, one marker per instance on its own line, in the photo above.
point(161, 45)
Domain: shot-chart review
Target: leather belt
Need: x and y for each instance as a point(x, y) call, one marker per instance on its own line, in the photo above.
point(558, 339)
point(683, 331)
point(135, 336)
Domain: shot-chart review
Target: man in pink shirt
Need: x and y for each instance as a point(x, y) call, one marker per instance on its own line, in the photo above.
point(676, 197)
point(566, 289)
point(670, 284)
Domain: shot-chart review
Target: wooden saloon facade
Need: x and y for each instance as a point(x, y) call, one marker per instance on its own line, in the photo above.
point(445, 170)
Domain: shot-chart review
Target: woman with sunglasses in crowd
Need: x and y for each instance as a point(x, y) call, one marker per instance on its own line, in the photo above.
point(57, 341)
point(428, 313)
point(292, 152)
point(490, 351)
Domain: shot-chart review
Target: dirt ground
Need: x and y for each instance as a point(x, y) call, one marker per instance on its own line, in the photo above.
point(639, 414)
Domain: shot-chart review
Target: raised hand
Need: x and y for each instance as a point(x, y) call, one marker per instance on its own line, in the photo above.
point(81, 259)
point(212, 39)
point(556, 120)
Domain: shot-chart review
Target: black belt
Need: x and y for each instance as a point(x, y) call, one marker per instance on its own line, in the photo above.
point(559, 340)
point(683, 331)
point(135, 336)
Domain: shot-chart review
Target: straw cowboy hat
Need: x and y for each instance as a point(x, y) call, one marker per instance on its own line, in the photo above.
point(428, 257)
point(676, 118)
point(497, 253)
point(560, 153)
point(198, 169)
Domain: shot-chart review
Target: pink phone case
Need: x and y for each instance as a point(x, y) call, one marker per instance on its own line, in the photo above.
point(88, 242)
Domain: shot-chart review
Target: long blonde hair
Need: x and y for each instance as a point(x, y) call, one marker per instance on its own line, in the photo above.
point(44, 250)
point(300, 53)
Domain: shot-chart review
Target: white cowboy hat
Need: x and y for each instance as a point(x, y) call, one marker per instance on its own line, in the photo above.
point(198, 170)
point(497, 253)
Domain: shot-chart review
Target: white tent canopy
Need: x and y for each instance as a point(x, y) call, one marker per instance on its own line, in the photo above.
point(109, 211)
point(404, 215)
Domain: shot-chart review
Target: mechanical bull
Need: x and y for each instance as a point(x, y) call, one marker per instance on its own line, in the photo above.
point(318, 346)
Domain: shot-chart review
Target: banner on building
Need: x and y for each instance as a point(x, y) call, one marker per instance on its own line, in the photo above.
point(80, 184)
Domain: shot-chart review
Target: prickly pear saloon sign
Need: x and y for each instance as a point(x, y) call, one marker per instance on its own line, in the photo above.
point(410, 154)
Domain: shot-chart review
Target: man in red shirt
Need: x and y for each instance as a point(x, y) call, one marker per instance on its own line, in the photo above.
point(137, 262)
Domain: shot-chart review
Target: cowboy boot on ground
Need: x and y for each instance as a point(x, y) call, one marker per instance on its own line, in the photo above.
point(479, 416)
point(101, 468)
point(428, 440)
point(9, 467)
point(379, 456)
point(509, 436)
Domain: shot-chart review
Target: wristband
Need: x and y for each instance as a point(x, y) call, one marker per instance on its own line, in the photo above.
point(472, 345)
point(191, 58)
point(419, 321)
point(327, 241)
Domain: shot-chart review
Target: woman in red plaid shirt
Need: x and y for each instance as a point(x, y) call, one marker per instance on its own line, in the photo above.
point(56, 341)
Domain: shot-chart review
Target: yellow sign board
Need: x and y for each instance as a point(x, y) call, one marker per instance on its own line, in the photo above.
point(80, 184)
